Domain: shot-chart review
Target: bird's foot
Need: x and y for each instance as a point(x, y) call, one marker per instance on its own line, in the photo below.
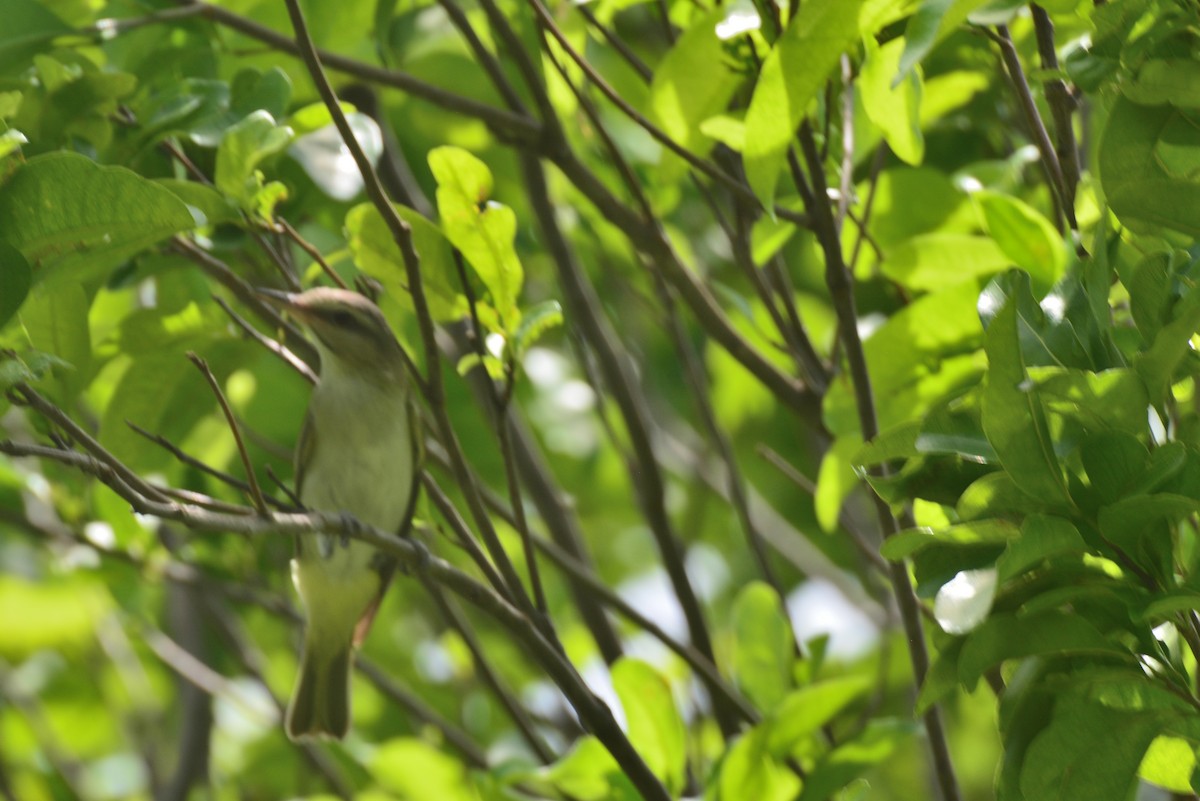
point(351, 525)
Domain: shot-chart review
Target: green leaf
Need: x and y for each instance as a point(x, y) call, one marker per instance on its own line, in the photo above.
point(1141, 191)
point(856, 756)
point(242, 149)
point(1169, 762)
point(1157, 365)
point(70, 216)
point(1060, 331)
point(791, 76)
point(764, 648)
point(1042, 537)
point(164, 393)
point(1078, 758)
point(1111, 400)
point(654, 726)
point(1013, 418)
point(1151, 293)
point(693, 82)
point(802, 713)
point(748, 771)
point(51, 613)
point(206, 204)
point(929, 262)
point(56, 321)
point(535, 322)
point(587, 772)
point(932, 22)
point(469, 361)
point(376, 254)
point(1160, 80)
point(15, 280)
point(895, 107)
point(913, 362)
point(1005, 636)
point(480, 228)
point(981, 532)
point(28, 27)
point(836, 479)
point(1026, 236)
point(415, 769)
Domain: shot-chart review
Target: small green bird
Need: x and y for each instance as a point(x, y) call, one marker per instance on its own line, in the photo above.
point(358, 454)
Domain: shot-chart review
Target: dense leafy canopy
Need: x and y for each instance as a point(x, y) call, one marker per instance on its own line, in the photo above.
point(821, 356)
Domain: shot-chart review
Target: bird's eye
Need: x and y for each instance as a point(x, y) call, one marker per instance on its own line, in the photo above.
point(343, 319)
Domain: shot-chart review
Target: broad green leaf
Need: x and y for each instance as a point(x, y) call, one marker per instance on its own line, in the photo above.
point(929, 262)
point(415, 769)
point(791, 76)
point(693, 82)
point(836, 479)
point(856, 756)
point(654, 726)
point(932, 22)
point(1157, 365)
point(1041, 537)
point(28, 26)
point(56, 321)
point(15, 280)
point(895, 108)
point(1025, 236)
point(1169, 762)
point(163, 392)
point(981, 532)
point(70, 216)
point(747, 770)
point(1160, 80)
point(764, 648)
point(62, 613)
point(480, 228)
point(1141, 191)
point(1079, 758)
point(223, 105)
point(895, 443)
point(588, 772)
point(923, 355)
point(242, 149)
point(1114, 400)
point(1005, 636)
point(1151, 293)
point(1059, 331)
point(376, 254)
point(1125, 523)
point(206, 204)
point(802, 713)
point(1013, 418)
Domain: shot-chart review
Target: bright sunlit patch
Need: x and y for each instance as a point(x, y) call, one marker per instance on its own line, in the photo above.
point(327, 160)
point(544, 367)
point(818, 607)
point(107, 29)
point(1055, 307)
point(575, 396)
point(964, 601)
point(968, 184)
point(100, 534)
point(742, 17)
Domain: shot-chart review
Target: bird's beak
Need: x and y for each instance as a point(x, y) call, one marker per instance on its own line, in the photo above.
point(277, 297)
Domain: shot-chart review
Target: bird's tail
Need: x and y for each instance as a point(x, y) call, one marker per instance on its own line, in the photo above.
point(320, 705)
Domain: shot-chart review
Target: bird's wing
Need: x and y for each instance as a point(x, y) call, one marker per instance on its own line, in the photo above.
point(305, 446)
point(386, 565)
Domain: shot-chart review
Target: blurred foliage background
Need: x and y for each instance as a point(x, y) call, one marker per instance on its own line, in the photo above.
point(992, 204)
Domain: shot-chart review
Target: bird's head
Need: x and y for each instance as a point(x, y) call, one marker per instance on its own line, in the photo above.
point(347, 327)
